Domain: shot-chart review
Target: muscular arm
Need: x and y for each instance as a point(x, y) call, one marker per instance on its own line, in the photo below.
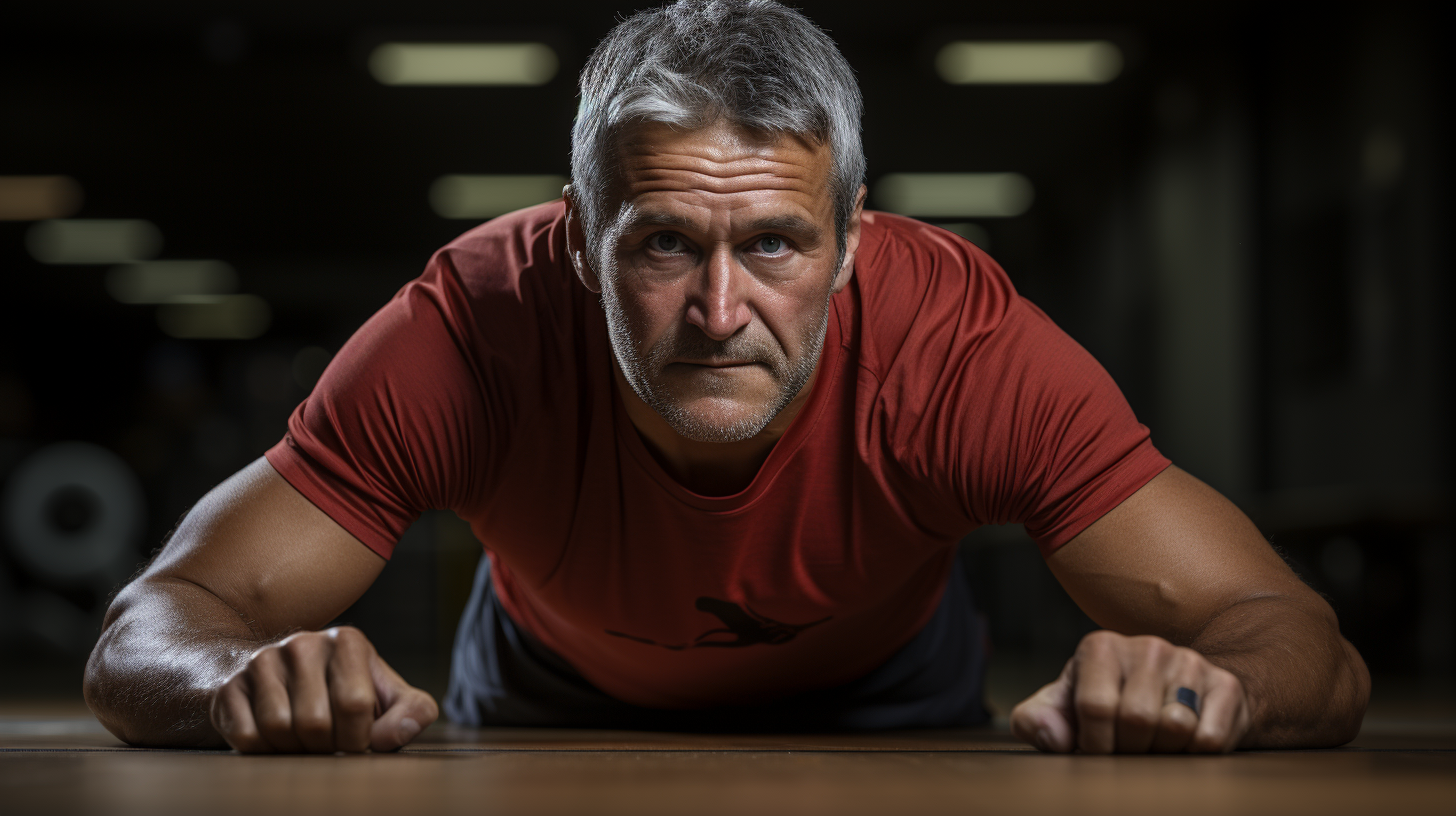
point(1195, 596)
point(253, 562)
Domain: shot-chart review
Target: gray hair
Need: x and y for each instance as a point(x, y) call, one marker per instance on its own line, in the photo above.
point(751, 63)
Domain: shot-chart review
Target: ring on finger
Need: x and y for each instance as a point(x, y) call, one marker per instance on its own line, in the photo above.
point(1189, 697)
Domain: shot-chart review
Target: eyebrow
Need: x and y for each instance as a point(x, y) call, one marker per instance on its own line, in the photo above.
point(794, 225)
point(643, 219)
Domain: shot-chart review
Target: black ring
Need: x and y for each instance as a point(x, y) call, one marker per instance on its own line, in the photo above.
point(1189, 697)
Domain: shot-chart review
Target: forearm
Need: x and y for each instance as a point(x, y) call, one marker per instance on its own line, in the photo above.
point(1307, 687)
point(166, 646)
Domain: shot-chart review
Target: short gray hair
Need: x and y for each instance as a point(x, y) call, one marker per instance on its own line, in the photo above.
point(751, 63)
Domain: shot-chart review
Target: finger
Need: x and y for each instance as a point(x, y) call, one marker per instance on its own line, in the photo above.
point(351, 692)
point(1045, 719)
point(271, 709)
point(1098, 678)
point(308, 693)
point(232, 716)
point(1225, 717)
point(407, 710)
point(1175, 726)
point(1140, 709)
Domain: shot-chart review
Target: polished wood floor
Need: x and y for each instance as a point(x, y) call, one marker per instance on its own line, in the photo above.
point(61, 762)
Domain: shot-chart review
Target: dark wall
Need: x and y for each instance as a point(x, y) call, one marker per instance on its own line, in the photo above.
point(1248, 227)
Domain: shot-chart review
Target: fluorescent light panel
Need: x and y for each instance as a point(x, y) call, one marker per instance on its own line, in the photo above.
point(1029, 62)
point(215, 317)
point(954, 195)
point(38, 198)
point(488, 196)
point(93, 241)
point(165, 281)
point(528, 63)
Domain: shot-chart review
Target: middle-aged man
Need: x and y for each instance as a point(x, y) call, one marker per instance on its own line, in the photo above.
point(720, 431)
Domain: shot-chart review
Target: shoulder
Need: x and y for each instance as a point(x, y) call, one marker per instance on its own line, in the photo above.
point(506, 278)
point(501, 252)
point(923, 285)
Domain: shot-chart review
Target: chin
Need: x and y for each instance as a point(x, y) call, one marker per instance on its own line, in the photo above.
point(714, 420)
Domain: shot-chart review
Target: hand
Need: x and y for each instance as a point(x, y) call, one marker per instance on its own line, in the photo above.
point(1119, 693)
point(319, 692)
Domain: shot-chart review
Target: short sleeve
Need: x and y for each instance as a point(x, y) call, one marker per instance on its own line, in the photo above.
point(992, 413)
point(398, 423)
point(1050, 442)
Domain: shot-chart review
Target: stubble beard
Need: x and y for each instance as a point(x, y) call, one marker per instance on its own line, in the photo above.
point(643, 370)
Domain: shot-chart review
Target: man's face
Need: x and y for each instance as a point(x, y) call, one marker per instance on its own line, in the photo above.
point(718, 270)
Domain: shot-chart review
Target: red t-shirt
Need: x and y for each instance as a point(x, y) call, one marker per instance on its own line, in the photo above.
point(943, 401)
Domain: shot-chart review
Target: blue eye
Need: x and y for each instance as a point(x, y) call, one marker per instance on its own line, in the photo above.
point(771, 244)
point(665, 242)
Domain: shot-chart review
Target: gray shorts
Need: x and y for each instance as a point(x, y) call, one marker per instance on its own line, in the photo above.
point(501, 675)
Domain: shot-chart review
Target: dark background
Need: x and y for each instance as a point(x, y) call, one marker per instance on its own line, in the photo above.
point(1249, 227)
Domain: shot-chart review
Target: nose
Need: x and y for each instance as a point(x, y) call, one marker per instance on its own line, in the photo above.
point(719, 305)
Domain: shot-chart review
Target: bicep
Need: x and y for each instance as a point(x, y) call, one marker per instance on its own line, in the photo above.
point(1169, 559)
point(268, 553)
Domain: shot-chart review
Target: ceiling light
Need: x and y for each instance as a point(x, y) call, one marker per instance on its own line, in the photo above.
point(93, 241)
point(1087, 62)
point(954, 195)
point(489, 196)
point(527, 63)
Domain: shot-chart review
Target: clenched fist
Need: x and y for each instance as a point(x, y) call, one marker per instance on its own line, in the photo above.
point(319, 692)
point(1120, 694)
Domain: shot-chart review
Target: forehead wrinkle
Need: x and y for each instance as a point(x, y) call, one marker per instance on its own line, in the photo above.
point(719, 157)
point(716, 177)
point(693, 169)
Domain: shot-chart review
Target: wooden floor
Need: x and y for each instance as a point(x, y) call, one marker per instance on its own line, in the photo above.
point(63, 763)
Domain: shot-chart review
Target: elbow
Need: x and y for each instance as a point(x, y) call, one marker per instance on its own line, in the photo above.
point(1357, 683)
point(1348, 701)
point(99, 689)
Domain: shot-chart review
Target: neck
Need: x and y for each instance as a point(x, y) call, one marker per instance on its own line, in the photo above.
point(708, 468)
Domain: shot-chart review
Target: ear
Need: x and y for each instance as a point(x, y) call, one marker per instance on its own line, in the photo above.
point(851, 242)
point(576, 245)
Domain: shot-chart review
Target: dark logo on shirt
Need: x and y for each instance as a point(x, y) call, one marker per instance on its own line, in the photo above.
point(741, 627)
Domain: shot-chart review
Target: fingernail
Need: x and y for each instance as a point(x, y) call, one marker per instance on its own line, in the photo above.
point(408, 729)
point(1043, 740)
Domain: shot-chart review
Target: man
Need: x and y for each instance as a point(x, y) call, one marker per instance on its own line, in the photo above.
point(719, 430)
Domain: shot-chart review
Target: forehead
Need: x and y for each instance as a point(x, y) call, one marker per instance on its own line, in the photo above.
point(722, 166)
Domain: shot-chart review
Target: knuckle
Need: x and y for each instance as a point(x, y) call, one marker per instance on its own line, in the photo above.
point(265, 659)
point(353, 702)
point(346, 634)
point(1095, 645)
point(1180, 723)
point(313, 723)
point(1163, 653)
point(274, 719)
point(1138, 717)
point(1099, 639)
point(1152, 649)
point(1187, 658)
point(301, 645)
point(1096, 709)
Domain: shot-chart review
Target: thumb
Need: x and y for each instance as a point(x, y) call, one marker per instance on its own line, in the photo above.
point(1045, 719)
point(404, 709)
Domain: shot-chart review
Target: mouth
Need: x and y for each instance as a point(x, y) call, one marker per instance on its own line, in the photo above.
point(717, 364)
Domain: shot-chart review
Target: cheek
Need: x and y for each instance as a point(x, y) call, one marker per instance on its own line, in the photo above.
point(648, 315)
point(794, 318)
